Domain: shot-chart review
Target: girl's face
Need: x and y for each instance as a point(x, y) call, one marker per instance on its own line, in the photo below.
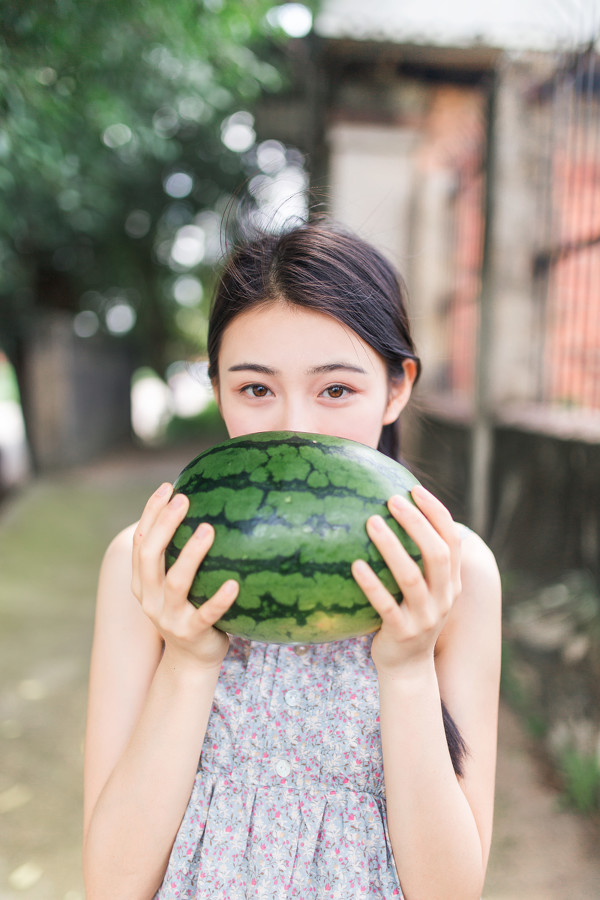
point(284, 368)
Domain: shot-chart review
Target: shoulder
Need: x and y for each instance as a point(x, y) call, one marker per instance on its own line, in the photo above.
point(476, 613)
point(119, 550)
point(117, 607)
point(116, 565)
point(477, 562)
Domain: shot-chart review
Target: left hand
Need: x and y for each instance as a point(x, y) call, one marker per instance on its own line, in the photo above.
point(409, 631)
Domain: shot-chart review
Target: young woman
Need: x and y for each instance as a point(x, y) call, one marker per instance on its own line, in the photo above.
point(222, 768)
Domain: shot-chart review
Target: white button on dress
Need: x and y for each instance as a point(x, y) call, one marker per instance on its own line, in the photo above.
point(283, 768)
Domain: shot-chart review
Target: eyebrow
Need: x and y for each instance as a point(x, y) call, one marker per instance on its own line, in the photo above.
point(315, 370)
point(253, 367)
point(333, 367)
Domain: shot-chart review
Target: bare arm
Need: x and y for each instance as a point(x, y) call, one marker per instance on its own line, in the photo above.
point(148, 708)
point(444, 640)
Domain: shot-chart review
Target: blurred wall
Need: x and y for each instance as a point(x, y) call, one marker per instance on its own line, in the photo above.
point(545, 492)
point(77, 393)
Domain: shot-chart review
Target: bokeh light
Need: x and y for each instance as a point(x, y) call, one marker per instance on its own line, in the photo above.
point(137, 223)
point(120, 318)
point(237, 132)
point(271, 156)
point(116, 135)
point(187, 290)
point(188, 247)
point(294, 18)
point(178, 185)
point(86, 323)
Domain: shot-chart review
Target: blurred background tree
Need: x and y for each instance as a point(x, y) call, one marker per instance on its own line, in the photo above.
point(126, 131)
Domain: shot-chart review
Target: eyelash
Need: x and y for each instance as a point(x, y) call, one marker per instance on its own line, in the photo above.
point(249, 389)
point(346, 391)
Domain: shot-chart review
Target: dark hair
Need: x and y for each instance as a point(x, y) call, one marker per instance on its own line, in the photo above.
point(323, 268)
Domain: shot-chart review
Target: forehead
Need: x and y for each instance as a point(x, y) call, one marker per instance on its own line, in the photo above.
point(281, 331)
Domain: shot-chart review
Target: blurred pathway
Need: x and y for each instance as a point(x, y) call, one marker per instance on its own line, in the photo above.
point(52, 537)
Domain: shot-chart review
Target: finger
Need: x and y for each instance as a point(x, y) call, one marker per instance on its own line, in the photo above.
point(404, 569)
point(152, 509)
point(444, 524)
point(435, 511)
point(155, 541)
point(378, 596)
point(215, 608)
point(181, 574)
point(436, 552)
point(156, 503)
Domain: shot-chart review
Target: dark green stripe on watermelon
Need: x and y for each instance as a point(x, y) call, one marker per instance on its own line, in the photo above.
point(289, 512)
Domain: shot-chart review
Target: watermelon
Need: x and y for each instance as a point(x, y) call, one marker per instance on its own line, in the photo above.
point(289, 512)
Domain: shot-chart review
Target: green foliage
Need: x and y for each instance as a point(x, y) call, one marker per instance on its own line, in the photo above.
point(510, 685)
point(99, 103)
point(581, 780)
point(563, 686)
point(9, 389)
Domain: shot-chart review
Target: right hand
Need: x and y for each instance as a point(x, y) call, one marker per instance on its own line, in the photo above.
point(188, 633)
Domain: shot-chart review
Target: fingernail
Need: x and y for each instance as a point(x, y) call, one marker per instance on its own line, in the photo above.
point(399, 502)
point(202, 531)
point(163, 490)
point(420, 491)
point(230, 588)
point(377, 523)
point(178, 501)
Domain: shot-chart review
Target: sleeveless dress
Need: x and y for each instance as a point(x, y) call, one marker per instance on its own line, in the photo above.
point(288, 800)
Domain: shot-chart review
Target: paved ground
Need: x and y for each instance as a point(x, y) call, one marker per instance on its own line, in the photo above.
point(51, 541)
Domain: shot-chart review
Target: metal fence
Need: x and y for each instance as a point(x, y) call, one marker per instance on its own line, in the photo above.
point(567, 266)
point(564, 158)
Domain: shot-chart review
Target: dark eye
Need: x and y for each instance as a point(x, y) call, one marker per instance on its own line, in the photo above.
point(256, 390)
point(336, 391)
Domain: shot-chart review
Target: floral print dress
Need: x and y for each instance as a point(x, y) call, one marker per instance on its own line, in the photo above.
point(288, 800)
